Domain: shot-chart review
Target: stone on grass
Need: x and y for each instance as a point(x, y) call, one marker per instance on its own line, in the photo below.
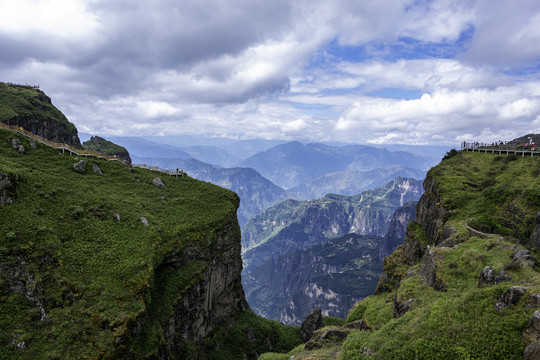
point(532, 351)
point(80, 166)
point(510, 297)
point(312, 323)
point(144, 221)
point(96, 169)
point(17, 145)
point(157, 181)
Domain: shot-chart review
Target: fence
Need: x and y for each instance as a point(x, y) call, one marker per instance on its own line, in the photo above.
point(499, 148)
point(81, 152)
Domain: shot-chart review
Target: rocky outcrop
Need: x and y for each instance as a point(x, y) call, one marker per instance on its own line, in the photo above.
point(312, 323)
point(488, 277)
point(80, 167)
point(524, 258)
point(397, 229)
point(429, 212)
point(17, 145)
point(7, 189)
point(510, 297)
point(428, 271)
point(217, 295)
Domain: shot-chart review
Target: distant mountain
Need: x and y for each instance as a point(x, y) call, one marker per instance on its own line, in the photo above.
point(144, 148)
point(292, 224)
point(291, 164)
point(256, 193)
point(211, 154)
point(350, 182)
point(333, 275)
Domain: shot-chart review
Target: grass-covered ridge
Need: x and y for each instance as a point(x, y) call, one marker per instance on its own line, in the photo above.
point(498, 195)
point(91, 275)
point(33, 110)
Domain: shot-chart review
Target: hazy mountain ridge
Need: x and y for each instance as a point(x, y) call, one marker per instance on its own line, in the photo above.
point(289, 165)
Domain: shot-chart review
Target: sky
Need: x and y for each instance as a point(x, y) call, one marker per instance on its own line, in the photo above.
point(371, 72)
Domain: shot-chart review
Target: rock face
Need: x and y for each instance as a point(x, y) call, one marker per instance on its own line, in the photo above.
point(312, 323)
point(428, 272)
point(398, 228)
point(217, 296)
point(429, 212)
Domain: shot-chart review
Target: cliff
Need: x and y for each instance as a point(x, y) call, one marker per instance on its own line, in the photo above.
point(118, 264)
point(33, 110)
point(465, 283)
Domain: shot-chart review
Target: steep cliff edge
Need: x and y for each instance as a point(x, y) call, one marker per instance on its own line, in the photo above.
point(465, 284)
point(32, 109)
point(117, 264)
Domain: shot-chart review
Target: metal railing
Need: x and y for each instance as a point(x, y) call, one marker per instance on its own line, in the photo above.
point(500, 148)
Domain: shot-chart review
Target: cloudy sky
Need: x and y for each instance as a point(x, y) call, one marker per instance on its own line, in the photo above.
point(370, 71)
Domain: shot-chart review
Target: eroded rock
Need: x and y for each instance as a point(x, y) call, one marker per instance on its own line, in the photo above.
point(428, 271)
point(510, 297)
point(80, 167)
point(312, 323)
point(524, 258)
point(17, 145)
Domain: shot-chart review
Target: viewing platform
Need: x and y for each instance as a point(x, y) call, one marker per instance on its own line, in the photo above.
point(498, 148)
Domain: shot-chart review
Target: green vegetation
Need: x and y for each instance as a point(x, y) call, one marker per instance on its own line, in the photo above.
point(100, 145)
point(93, 276)
point(32, 109)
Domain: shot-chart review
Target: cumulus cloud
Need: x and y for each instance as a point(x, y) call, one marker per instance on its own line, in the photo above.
point(250, 69)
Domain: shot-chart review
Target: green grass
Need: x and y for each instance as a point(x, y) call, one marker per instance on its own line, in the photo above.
point(97, 275)
point(32, 106)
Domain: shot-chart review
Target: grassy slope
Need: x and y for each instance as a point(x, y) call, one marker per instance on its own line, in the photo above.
point(499, 194)
point(96, 274)
point(25, 104)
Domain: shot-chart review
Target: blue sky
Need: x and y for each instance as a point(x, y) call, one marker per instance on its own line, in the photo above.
point(372, 71)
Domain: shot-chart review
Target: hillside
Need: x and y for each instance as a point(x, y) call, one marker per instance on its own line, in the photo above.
point(100, 145)
point(110, 264)
point(465, 284)
point(256, 192)
point(32, 109)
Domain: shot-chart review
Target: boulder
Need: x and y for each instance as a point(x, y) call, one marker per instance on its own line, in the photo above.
point(312, 323)
point(428, 271)
point(158, 182)
point(502, 276)
point(80, 167)
point(534, 301)
point(96, 169)
point(487, 276)
point(17, 145)
point(535, 321)
point(510, 297)
point(532, 351)
point(524, 258)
